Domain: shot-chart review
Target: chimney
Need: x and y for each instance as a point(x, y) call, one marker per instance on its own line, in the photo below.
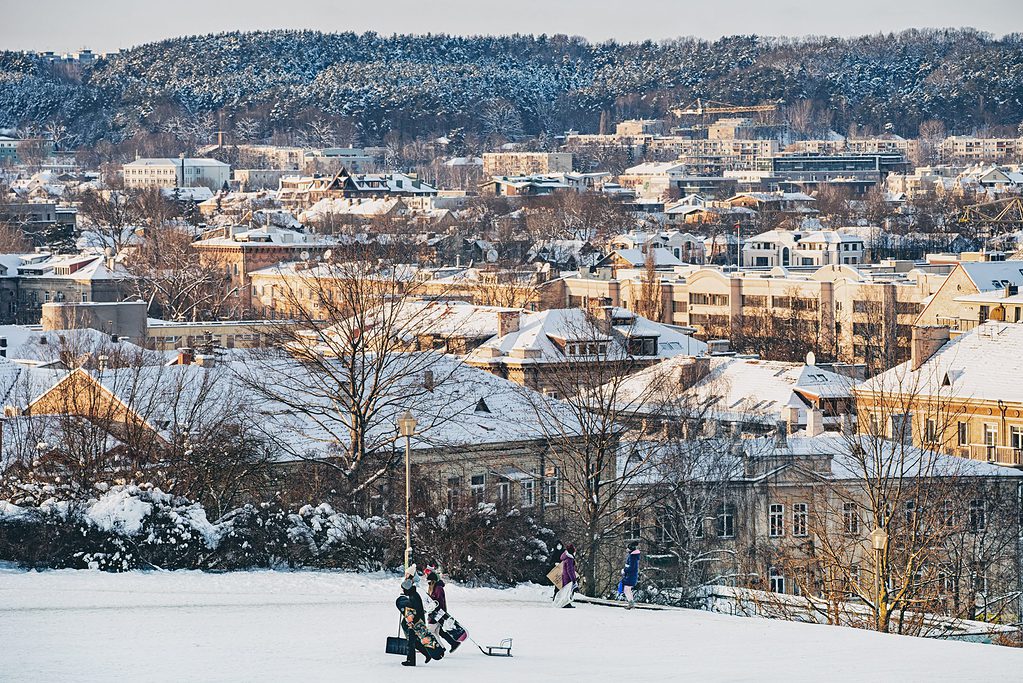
point(927, 339)
point(791, 416)
point(693, 371)
point(814, 422)
point(717, 346)
point(428, 383)
point(185, 356)
point(847, 424)
point(508, 322)
point(780, 435)
point(205, 360)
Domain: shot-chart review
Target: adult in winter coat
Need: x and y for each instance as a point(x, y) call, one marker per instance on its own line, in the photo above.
point(415, 601)
point(568, 575)
point(435, 586)
point(630, 574)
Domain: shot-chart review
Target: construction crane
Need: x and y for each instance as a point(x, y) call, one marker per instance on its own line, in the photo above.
point(701, 108)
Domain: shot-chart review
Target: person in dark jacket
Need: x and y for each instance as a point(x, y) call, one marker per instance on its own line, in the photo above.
point(435, 589)
point(568, 575)
point(408, 588)
point(630, 574)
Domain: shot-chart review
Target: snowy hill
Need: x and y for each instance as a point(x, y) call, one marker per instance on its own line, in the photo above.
point(266, 626)
point(428, 83)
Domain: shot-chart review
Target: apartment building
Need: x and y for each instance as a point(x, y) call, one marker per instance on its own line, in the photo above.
point(840, 311)
point(526, 163)
point(802, 248)
point(171, 173)
point(974, 149)
point(960, 396)
point(241, 252)
point(974, 293)
point(301, 192)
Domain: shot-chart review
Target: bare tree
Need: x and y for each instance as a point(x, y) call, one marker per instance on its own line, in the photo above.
point(349, 325)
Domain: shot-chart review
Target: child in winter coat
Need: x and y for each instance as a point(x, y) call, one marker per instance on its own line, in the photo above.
point(435, 589)
point(630, 574)
point(568, 575)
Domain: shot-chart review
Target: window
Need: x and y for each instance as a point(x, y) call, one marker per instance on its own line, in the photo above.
point(726, 521)
point(777, 520)
point(990, 434)
point(503, 492)
point(930, 430)
point(947, 583)
point(550, 486)
point(948, 513)
point(978, 515)
point(454, 484)
point(854, 579)
point(851, 518)
point(799, 519)
point(478, 488)
point(964, 433)
point(527, 494)
point(979, 578)
point(777, 580)
point(910, 513)
point(633, 526)
point(1016, 437)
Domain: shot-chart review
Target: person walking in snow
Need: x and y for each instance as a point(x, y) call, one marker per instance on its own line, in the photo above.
point(630, 574)
point(417, 621)
point(435, 589)
point(568, 576)
point(556, 560)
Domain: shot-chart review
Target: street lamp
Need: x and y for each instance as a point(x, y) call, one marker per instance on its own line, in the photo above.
point(407, 427)
point(879, 540)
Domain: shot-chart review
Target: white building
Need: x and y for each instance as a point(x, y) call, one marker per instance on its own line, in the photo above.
point(181, 172)
point(788, 248)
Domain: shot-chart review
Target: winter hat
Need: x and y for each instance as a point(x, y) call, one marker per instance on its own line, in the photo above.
point(633, 545)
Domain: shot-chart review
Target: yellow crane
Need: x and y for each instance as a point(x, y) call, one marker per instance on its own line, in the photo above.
point(701, 108)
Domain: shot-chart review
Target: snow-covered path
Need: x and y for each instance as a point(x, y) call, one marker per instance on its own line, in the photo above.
point(309, 626)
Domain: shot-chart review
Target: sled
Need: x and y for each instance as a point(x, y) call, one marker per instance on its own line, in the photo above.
point(502, 650)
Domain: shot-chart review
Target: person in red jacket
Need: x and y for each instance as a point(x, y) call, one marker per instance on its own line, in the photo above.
point(435, 622)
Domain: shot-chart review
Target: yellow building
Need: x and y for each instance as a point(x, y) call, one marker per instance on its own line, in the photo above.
point(962, 396)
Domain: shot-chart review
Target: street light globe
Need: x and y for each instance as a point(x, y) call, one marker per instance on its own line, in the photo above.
point(407, 424)
point(879, 539)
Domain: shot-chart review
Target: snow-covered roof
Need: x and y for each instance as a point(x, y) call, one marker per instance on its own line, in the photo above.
point(636, 257)
point(988, 275)
point(983, 364)
point(189, 161)
point(541, 336)
point(734, 389)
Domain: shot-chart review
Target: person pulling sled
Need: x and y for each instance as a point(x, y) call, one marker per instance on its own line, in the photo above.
point(439, 614)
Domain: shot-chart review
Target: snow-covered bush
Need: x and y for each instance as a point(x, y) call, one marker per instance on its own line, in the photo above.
point(254, 536)
point(482, 545)
point(324, 538)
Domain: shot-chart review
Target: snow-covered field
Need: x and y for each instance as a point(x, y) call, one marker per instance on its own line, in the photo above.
point(309, 626)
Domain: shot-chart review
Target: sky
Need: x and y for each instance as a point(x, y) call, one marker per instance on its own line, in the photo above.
point(106, 25)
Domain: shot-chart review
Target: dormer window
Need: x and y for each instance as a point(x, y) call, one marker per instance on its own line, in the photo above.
point(482, 407)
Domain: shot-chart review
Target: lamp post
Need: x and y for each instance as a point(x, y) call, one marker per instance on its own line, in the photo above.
point(407, 427)
point(879, 540)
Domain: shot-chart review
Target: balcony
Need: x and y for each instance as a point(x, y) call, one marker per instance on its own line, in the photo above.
point(1003, 455)
point(957, 325)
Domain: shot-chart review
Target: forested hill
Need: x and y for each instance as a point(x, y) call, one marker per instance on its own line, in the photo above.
point(419, 85)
